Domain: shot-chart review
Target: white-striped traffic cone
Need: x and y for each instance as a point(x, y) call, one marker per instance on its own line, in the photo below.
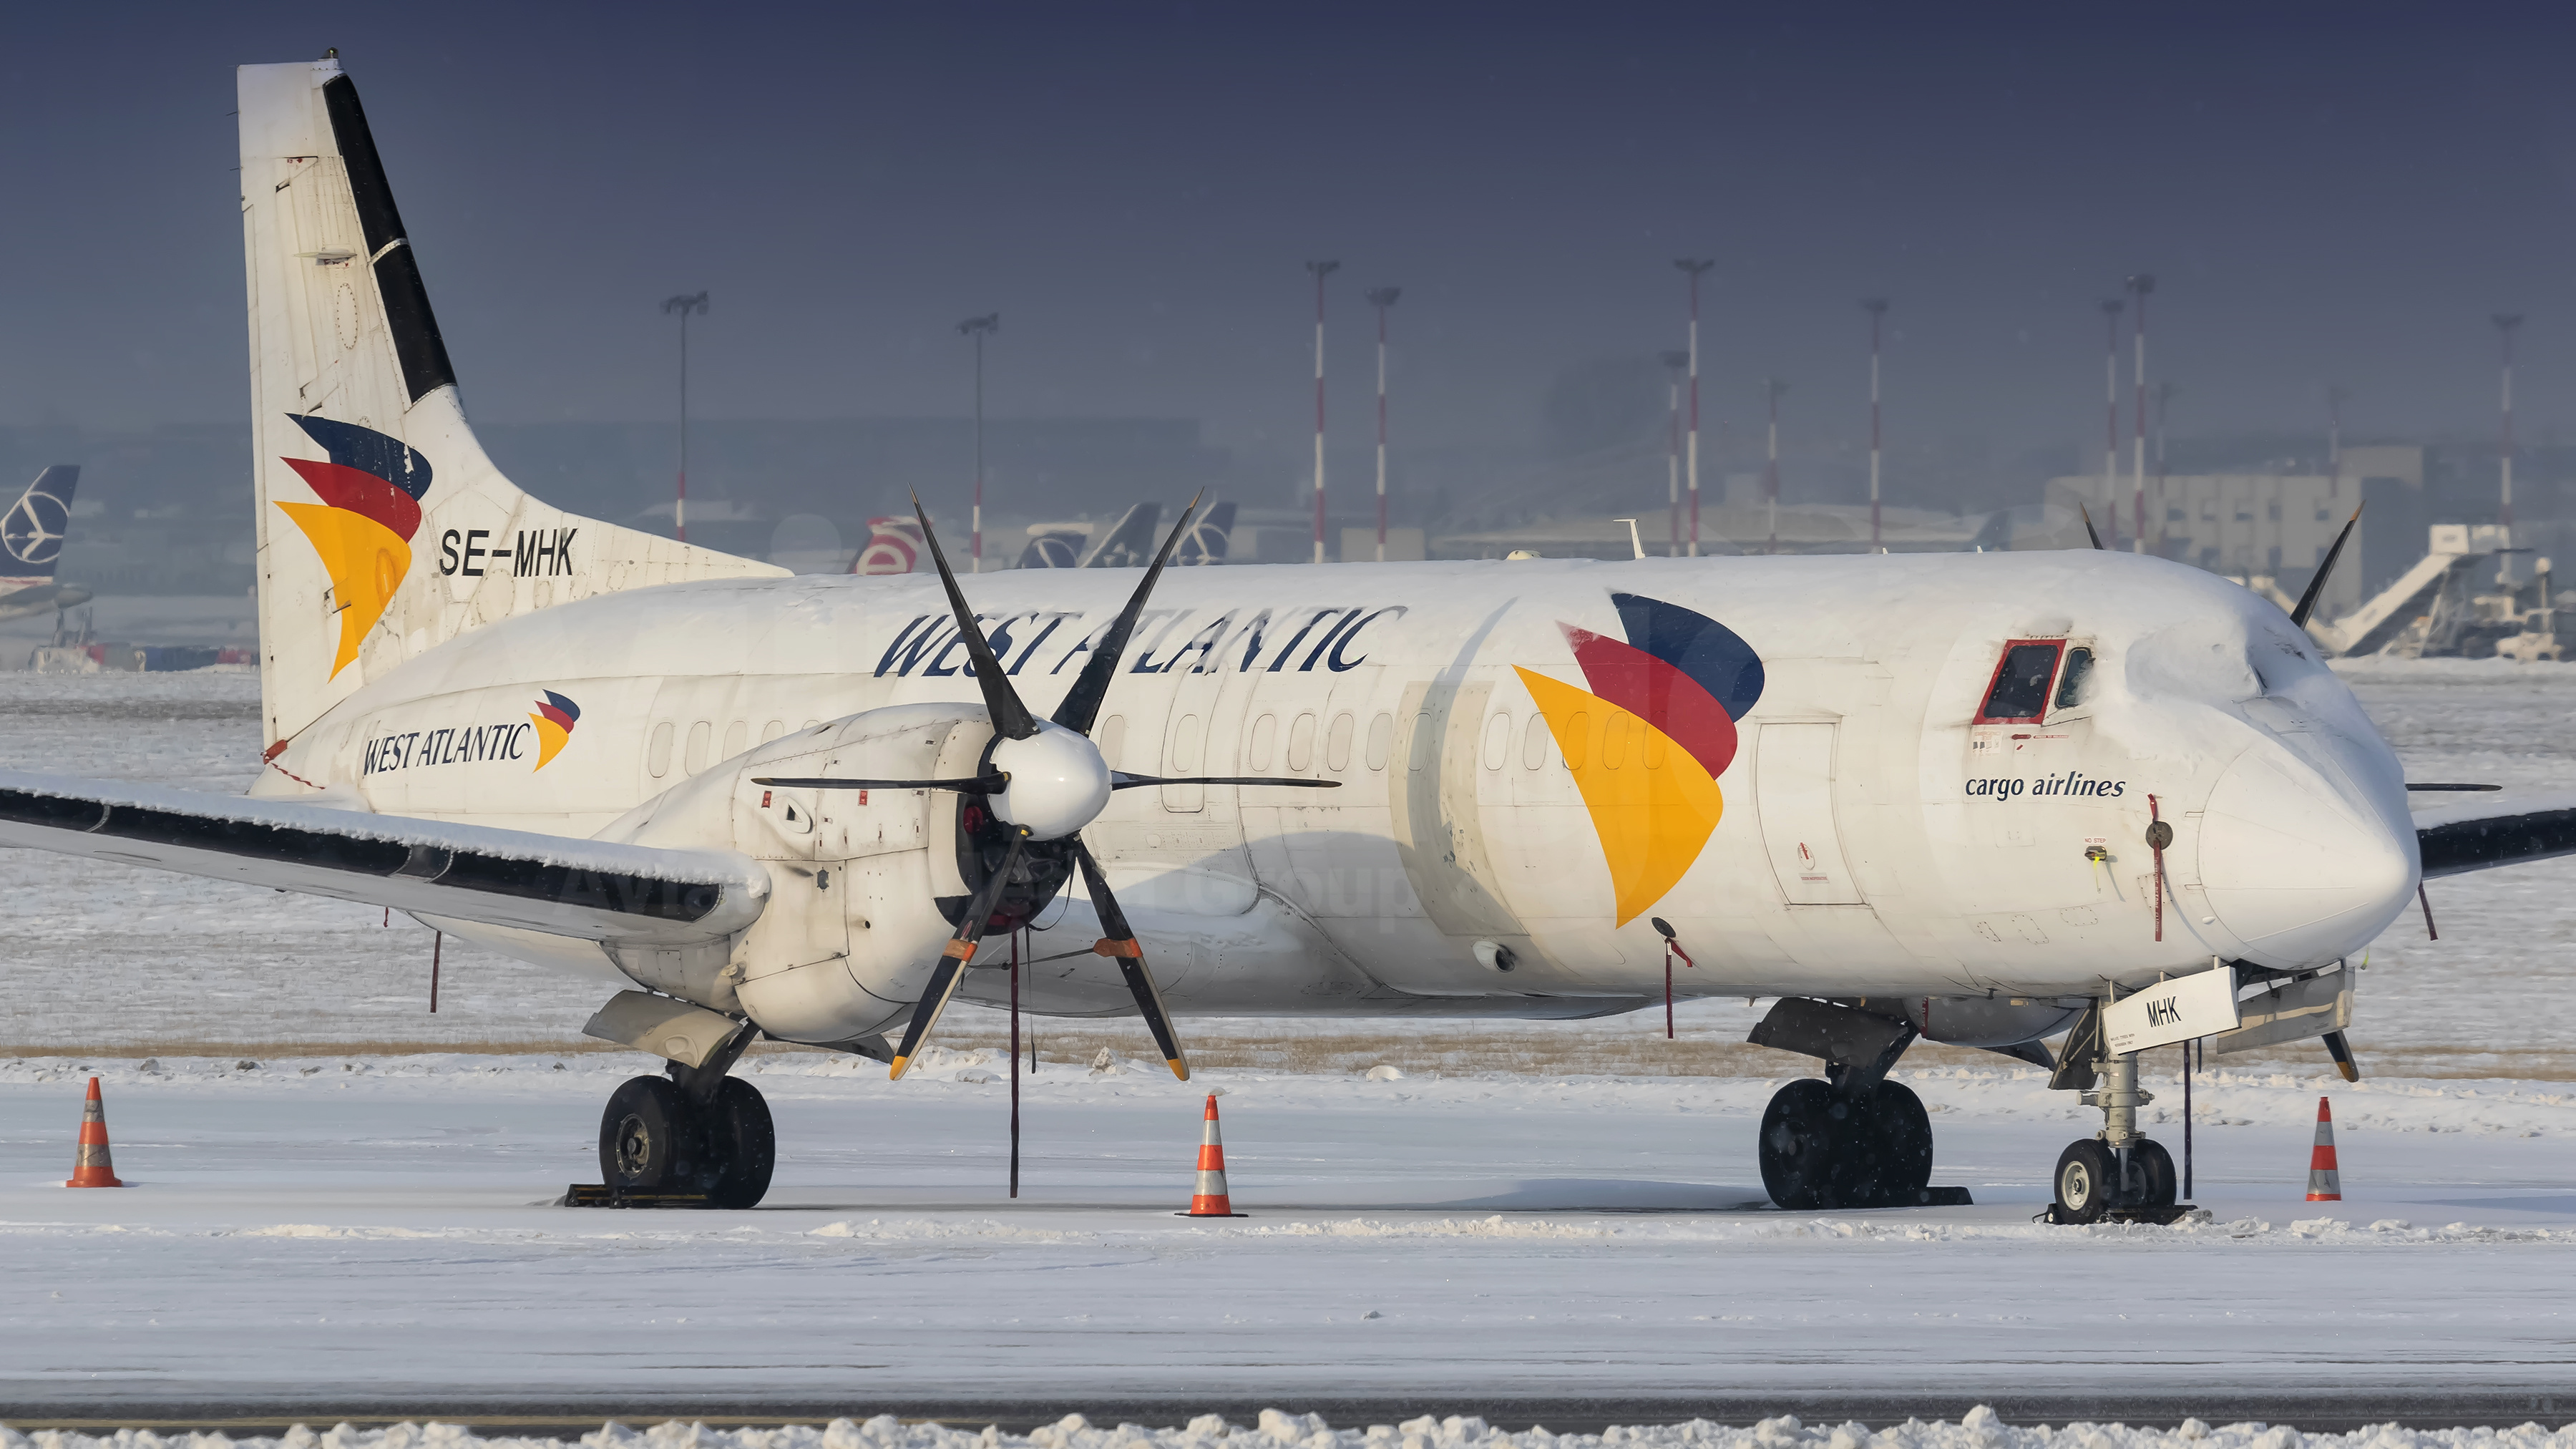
point(92, 1168)
point(1210, 1200)
point(2325, 1183)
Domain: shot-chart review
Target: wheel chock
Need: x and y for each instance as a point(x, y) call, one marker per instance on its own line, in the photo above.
point(601, 1195)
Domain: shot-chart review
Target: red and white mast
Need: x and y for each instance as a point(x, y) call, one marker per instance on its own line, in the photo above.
point(1321, 271)
point(1382, 298)
point(1693, 269)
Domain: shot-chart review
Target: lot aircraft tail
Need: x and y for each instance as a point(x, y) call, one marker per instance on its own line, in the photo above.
point(383, 528)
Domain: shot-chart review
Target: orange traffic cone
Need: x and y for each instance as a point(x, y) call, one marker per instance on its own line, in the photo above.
point(2324, 1183)
point(1210, 1200)
point(92, 1168)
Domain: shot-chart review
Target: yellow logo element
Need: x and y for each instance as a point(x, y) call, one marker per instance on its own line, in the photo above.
point(1652, 803)
point(554, 718)
point(366, 562)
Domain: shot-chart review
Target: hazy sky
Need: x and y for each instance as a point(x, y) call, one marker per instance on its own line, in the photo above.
point(2325, 192)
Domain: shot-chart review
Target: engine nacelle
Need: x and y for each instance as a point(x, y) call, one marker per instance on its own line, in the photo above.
point(853, 926)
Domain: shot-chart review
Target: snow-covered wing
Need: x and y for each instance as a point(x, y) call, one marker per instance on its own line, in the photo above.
point(2460, 838)
point(585, 889)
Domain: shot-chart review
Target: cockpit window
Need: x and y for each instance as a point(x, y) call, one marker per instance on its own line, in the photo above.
point(2070, 685)
point(2020, 691)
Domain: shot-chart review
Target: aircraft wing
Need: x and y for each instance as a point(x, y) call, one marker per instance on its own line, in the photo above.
point(561, 886)
point(2461, 838)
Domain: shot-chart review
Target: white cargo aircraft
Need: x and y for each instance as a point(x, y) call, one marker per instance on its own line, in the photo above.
point(1976, 799)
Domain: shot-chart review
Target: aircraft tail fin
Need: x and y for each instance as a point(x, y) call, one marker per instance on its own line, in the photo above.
point(383, 528)
point(31, 532)
point(1207, 539)
point(1131, 542)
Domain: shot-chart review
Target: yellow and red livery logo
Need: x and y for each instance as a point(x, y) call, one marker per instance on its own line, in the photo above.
point(554, 720)
point(1647, 744)
point(370, 489)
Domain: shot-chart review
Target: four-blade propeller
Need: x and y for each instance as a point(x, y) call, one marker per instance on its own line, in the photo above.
point(1039, 783)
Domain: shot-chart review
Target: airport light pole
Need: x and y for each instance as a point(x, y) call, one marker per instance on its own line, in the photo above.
point(2111, 311)
point(1693, 269)
point(683, 306)
point(1772, 387)
point(1674, 362)
point(1877, 309)
point(2336, 397)
point(2139, 286)
point(2506, 323)
point(979, 328)
point(1382, 298)
point(1321, 271)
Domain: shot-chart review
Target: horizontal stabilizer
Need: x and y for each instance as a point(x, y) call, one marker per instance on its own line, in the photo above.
point(2460, 838)
point(557, 885)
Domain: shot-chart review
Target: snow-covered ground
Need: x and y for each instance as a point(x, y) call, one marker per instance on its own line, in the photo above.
point(372, 1226)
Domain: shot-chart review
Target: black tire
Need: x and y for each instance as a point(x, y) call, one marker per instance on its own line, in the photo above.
point(1801, 1147)
point(1889, 1156)
point(742, 1146)
point(644, 1137)
point(2086, 1182)
point(2152, 1169)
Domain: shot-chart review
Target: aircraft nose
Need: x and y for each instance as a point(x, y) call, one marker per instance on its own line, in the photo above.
point(2297, 864)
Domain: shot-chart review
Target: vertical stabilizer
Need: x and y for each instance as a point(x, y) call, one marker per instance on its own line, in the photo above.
point(383, 529)
point(31, 532)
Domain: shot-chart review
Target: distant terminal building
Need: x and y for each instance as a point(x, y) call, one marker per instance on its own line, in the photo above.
point(2274, 527)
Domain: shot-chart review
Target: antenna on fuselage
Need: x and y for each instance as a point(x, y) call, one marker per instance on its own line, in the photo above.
point(2090, 531)
point(2317, 585)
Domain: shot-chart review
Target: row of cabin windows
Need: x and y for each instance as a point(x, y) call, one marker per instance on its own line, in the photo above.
point(1625, 738)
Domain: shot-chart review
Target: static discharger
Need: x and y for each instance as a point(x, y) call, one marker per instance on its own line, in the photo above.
point(1209, 1199)
point(92, 1167)
point(2325, 1181)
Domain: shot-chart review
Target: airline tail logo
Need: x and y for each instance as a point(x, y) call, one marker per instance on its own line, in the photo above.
point(554, 720)
point(370, 490)
point(31, 532)
point(1647, 744)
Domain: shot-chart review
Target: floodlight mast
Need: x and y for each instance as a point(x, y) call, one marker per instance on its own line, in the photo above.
point(1674, 362)
point(2111, 311)
point(1693, 268)
point(2506, 323)
point(1321, 271)
point(2139, 286)
point(1877, 309)
point(979, 328)
point(1382, 298)
point(2336, 397)
point(1772, 387)
point(680, 505)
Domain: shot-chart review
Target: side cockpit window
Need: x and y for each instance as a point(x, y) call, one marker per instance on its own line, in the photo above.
point(2019, 693)
point(2070, 683)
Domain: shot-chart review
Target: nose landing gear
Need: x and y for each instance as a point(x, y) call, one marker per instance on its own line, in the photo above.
point(693, 1133)
point(2122, 1173)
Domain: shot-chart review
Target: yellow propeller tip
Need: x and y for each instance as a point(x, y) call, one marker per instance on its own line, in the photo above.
point(1180, 1069)
point(894, 1073)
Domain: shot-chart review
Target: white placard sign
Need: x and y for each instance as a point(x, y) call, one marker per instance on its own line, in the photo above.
point(2201, 1004)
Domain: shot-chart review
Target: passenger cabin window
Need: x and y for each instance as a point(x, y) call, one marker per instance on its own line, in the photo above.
point(2070, 685)
point(2019, 694)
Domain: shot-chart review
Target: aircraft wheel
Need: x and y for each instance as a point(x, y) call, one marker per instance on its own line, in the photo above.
point(1890, 1151)
point(643, 1136)
point(2152, 1168)
point(742, 1145)
point(1801, 1146)
point(2086, 1181)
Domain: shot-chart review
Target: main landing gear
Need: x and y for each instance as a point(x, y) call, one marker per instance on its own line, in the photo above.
point(2119, 1173)
point(694, 1132)
point(1853, 1139)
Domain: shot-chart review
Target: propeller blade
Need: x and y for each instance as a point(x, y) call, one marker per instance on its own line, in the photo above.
point(1082, 703)
point(2090, 531)
point(1121, 780)
point(2317, 585)
point(952, 961)
point(1120, 945)
point(2341, 1051)
point(972, 785)
point(1011, 719)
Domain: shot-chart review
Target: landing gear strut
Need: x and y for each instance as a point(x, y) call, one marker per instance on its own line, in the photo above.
point(695, 1131)
point(2121, 1171)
